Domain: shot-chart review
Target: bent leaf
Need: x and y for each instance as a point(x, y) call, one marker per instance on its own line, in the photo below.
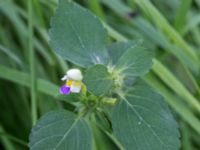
point(98, 80)
point(78, 36)
point(60, 130)
point(142, 121)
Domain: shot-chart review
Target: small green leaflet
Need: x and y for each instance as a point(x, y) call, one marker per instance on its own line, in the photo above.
point(61, 130)
point(78, 36)
point(142, 121)
point(116, 50)
point(130, 59)
point(135, 62)
point(98, 80)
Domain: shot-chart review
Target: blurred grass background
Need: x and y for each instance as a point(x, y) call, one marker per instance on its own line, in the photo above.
point(30, 71)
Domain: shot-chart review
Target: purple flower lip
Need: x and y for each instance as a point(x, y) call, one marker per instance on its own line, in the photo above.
point(64, 89)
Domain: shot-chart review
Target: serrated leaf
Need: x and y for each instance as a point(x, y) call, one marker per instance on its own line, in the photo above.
point(77, 35)
point(142, 121)
point(130, 59)
point(135, 61)
point(98, 80)
point(60, 130)
point(116, 50)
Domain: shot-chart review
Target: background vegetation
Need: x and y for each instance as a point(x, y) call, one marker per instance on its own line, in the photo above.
point(170, 28)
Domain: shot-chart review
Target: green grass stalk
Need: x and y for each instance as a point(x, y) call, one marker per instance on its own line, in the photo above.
point(32, 63)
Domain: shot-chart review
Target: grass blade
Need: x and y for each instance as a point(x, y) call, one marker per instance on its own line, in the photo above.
point(172, 34)
point(22, 78)
point(32, 63)
point(181, 14)
point(175, 84)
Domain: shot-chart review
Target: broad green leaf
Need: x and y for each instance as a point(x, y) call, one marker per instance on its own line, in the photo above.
point(116, 50)
point(61, 130)
point(98, 80)
point(78, 36)
point(136, 61)
point(142, 121)
point(178, 106)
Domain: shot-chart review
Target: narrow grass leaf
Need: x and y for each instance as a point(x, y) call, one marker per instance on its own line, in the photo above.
point(175, 84)
point(22, 78)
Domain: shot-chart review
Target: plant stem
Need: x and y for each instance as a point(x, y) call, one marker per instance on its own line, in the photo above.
point(32, 63)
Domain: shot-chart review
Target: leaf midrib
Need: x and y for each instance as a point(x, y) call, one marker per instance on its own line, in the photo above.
point(66, 134)
point(140, 117)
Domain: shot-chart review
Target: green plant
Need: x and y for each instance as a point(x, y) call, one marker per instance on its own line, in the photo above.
point(116, 102)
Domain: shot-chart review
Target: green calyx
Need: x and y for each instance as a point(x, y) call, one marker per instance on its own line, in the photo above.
point(92, 101)
point(117, 77)
point(109, 101)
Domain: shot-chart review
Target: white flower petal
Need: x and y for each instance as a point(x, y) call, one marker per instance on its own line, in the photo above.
point(64, 78)
point(75, 89)
point(75, 74)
